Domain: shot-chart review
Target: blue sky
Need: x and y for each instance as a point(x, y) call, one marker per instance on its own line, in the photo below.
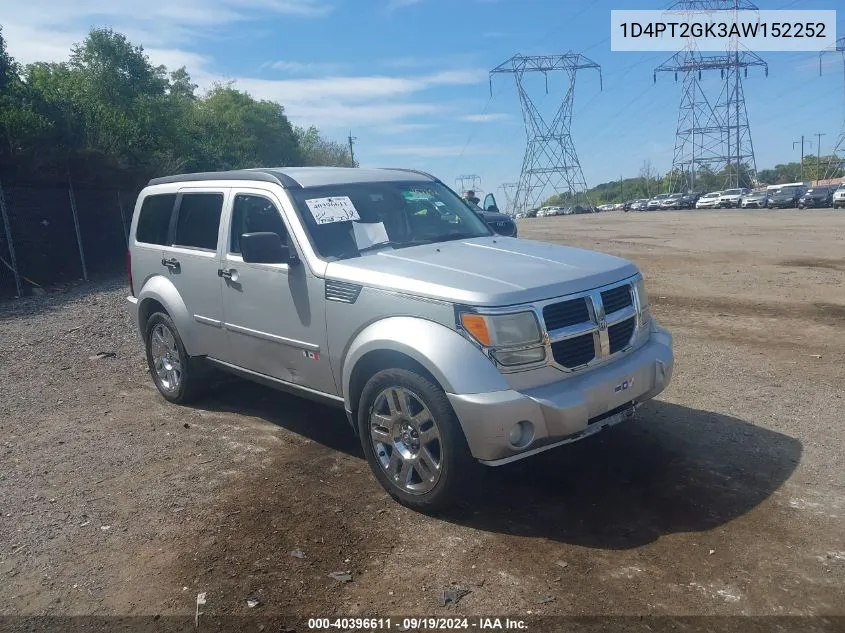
point(409, 78)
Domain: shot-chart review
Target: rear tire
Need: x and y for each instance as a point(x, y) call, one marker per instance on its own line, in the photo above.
point(413, 441)
point(178, 377)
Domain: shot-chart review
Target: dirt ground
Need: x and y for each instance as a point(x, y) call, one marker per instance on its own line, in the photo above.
point(725, 497)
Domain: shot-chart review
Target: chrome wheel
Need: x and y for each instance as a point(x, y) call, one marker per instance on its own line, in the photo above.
point(166, 359)
point(406, 440)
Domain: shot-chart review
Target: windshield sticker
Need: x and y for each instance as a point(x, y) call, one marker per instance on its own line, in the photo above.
point(369, 234)
point(329, 210)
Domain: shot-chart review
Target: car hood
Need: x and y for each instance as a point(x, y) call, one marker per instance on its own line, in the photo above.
point(484, 271)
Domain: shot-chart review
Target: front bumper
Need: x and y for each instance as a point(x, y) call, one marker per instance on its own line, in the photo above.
point(568, 410)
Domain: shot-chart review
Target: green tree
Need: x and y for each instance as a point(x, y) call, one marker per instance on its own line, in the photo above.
point(316, 150)
point(236, 131)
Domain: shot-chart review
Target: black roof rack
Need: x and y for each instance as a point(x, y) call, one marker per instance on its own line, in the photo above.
point(259, 175)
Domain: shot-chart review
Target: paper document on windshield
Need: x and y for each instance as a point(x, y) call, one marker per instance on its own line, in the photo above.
point(369, 233)
point(329, 210)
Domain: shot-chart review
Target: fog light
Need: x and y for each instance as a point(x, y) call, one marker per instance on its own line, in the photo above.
point(521, 357)
point(522, 434)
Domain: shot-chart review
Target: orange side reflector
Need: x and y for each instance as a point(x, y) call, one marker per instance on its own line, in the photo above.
point(476, 325)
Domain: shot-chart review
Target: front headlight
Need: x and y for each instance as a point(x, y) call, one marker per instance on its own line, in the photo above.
point(514, 339)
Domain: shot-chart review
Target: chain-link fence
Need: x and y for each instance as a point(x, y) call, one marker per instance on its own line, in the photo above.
point(51, 235)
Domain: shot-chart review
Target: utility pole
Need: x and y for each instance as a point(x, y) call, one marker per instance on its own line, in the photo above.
point(818, 136)
point(801, 142)
point(352, 139)
point(621, 189)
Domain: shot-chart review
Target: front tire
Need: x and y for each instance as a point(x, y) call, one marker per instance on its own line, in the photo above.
point(177, 376)
point(413, 441)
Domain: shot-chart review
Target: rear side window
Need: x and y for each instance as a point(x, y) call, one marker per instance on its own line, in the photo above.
point(154, 219)
point(254, 214)
point(198, 222)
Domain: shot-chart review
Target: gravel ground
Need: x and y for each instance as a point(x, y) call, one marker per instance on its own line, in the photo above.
point(726, 497)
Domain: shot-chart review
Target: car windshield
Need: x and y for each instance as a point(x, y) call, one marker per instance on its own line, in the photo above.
point(733, 192)
point(345, 220)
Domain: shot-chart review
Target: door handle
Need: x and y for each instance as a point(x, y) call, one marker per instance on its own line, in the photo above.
point(227, 274)
point(170, 263)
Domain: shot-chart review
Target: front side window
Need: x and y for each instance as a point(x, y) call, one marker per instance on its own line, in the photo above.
point(391, 214)
point(198, 222)
point(254, 214)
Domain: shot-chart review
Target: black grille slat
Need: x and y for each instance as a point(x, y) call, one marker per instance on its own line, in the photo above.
point(617, 299)
point(565, 314)
point(574, 352)
point(620, 334)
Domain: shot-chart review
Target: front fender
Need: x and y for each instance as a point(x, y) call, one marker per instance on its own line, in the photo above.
point(455, 363)
point(162, 290)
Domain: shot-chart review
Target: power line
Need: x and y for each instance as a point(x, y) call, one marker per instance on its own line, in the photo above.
point(837, 160)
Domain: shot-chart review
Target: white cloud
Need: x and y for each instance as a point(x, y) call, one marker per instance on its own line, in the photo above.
point(436, 151)
point(404, 128)
point(392, 5)
point(348, 90)
point(303, 68)
point(485, 118)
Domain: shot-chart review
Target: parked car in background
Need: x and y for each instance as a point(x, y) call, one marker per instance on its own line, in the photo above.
point(786, 198)
point(656, 201)
point(672, 201)
point(689, 199)
point(606, 207)
point(708, 200)
point(839, 197)
point(817, 197)
point(639, 205)
point(380, 292)
point(755, 200)
point(731, 198)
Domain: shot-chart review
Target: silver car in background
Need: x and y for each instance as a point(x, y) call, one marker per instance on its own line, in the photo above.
point(755, 200)
point(380, 292)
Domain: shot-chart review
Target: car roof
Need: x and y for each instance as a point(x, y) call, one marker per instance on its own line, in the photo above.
point(303, 177)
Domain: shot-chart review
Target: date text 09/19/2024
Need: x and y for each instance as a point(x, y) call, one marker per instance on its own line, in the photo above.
point(416, 624)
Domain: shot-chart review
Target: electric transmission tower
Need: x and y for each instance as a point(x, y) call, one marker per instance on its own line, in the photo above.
point(508, 190)
point(550, 165)
point(837, 160)
point(713, 132)
point(465, 183)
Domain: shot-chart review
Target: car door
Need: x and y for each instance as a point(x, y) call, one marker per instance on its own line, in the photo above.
point(274, 313)
point(191, 259)
point(490, 204)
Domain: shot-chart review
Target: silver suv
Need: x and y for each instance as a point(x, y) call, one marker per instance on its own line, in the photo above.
point(381, 292)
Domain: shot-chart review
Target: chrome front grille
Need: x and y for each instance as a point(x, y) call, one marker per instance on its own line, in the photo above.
point(592, 327)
